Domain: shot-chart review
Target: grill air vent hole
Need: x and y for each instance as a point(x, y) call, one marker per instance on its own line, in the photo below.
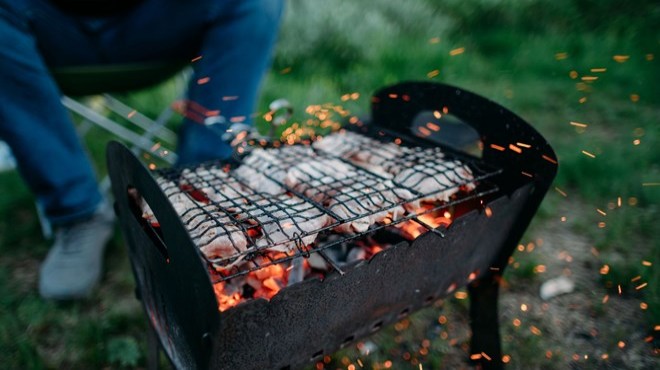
point(317, 354)
point(429, 299)
point(287, 367)
point(377, 326)
point(348, 340)
point(404, 313)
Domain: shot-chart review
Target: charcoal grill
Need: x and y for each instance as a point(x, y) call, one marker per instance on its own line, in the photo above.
point(315, 317)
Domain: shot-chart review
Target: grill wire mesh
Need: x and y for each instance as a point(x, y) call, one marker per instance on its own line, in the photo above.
point(284, 200)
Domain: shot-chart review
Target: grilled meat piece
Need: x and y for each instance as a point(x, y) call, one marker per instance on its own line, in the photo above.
point(439, 179)
point(287, 221)
point(257, 181)
point(319, 179)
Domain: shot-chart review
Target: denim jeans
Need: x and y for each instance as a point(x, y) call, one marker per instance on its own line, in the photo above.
point(234, 38)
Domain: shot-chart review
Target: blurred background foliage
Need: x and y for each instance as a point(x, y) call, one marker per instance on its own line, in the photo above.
point(529, 55)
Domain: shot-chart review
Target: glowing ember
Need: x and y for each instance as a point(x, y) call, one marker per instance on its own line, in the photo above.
point(457, 51)
point(578, 124)
point(621, 58)
point(588, 154)
point(412, 229)
point(433, 73)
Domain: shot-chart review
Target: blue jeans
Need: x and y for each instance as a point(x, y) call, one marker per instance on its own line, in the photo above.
point(234, 37)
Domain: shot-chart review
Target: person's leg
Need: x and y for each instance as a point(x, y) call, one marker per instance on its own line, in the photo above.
point(36, 126)
point(49, 154)
point(234, 39)
point(236, 54)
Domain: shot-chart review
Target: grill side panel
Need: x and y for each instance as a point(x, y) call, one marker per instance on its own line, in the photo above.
point(313, 318)
point(172, 281)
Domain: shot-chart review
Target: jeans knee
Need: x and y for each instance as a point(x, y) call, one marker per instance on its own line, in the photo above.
point(268, 12)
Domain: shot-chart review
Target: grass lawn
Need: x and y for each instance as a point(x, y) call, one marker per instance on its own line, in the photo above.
point(583, 72)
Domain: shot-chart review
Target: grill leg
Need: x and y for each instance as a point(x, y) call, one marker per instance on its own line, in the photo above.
point(484, 323)
point(153, 350)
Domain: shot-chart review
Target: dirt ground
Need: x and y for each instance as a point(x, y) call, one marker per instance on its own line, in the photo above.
point(589, 328)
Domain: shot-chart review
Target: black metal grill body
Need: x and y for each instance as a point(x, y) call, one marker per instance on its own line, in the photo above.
point(314, 317)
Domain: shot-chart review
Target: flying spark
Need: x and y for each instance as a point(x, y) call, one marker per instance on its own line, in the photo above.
point(578, 124)
point(548, 159)
point(433, 73)
point(621, 58)
point(561, 56)
point(588, 154)
point(457, 51)
point(598, 70)
point(561, 192)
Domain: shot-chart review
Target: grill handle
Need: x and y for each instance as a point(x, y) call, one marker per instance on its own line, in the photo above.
point(508, 141)
point(177, 293)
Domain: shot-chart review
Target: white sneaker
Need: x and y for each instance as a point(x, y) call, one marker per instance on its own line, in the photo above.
point(75, 261)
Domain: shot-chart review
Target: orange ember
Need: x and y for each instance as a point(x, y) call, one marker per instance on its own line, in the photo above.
point(412, 229)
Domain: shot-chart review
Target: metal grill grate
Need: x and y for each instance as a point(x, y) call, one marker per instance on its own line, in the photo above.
point(281, 199)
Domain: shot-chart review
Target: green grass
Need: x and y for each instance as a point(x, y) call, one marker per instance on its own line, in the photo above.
point(518, 53)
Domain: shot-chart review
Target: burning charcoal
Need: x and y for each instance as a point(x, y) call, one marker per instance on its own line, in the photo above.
point(356, 254)
point(317, 262)
point(296, 272)
point(266, 282)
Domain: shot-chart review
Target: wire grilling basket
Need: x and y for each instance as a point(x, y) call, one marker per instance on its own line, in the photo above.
point(289, 199)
